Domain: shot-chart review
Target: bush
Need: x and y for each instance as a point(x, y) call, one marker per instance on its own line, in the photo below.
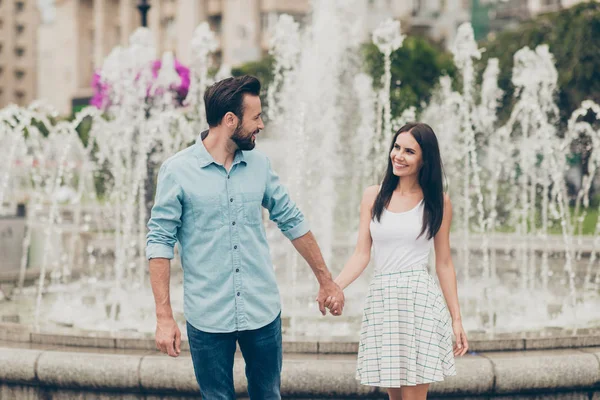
point(572, 36)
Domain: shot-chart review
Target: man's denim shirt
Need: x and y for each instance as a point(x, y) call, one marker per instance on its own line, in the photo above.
point(229, 283)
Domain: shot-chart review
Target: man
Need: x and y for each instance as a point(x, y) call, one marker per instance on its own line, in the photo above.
point(209, 198)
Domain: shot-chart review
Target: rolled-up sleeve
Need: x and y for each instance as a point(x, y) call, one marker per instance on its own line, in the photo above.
point(165, 218)
point(282, 210)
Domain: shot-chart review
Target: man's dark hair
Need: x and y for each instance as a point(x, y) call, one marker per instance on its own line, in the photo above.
point(228, 96)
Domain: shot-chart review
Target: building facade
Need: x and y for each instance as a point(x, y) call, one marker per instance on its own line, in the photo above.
point(19, 20)
point(496, 16)
point(84, 32)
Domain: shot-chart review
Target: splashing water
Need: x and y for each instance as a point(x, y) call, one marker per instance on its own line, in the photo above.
point(522, 258)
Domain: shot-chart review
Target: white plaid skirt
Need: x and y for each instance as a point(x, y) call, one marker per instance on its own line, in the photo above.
point(406, 334)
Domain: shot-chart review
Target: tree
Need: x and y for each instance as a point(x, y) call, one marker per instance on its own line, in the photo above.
point(262, 69)
point(572, 36)
point(416, 69)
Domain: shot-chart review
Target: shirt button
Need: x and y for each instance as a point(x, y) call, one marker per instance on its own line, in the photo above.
point(238, 293)
point(233, 223)
point(231, 199)
point(235, 247)
point(227, 176)
point(237, 270)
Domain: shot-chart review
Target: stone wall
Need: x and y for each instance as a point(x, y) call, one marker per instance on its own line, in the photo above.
point(29, 373)
point(51, 366)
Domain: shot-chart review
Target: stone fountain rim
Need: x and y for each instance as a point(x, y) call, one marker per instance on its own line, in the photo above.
point(15, 332)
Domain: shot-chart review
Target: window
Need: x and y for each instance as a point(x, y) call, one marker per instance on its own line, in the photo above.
point(1, 46)
point(242, 32)
point(269, 20)
point(19, 51)
point(1, 71)
point(19, 74)
point(20, 28)
point(265, 22)
point(215, 23)
point(171, 29)
point(20, 6)
point(217, 57)
point(169, 26)
point(417, 6)
point(20, 96)
point(170, 33)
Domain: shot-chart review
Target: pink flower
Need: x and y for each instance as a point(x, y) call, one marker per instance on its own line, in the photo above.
point(183, 72)
point(101, 97)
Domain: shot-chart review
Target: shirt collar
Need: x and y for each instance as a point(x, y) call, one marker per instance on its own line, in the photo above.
point(206, 159)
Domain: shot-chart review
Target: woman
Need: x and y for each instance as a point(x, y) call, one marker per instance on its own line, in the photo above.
point(405, 339)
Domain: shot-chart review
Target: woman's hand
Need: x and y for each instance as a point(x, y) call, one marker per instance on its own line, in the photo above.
point(331, 297)
point(462, 345)
point(332, 302)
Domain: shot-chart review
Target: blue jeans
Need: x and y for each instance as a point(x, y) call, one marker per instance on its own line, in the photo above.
point(212, 356)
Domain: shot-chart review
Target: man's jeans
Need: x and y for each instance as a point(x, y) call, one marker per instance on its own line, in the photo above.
point(212, 355)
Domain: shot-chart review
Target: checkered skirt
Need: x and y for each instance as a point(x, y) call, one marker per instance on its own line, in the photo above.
point(406, 334)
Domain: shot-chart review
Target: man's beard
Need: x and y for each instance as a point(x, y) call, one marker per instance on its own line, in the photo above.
point(243, 141)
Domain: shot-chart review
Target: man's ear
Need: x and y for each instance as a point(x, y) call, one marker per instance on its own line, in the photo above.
point(230, 120)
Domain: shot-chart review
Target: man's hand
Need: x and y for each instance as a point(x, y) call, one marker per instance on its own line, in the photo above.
point(168, 336)
point(331, 297)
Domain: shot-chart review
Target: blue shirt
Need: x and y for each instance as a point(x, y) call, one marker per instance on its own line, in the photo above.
point(229, 283)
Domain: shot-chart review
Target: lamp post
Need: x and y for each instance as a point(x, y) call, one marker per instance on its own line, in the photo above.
point(143, 6)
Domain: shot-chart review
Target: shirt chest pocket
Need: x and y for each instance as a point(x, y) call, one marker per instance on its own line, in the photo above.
point(208, 213)
point(252, 208)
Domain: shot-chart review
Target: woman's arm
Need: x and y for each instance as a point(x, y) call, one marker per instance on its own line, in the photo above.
point(447, 276)
point(362, 252)
point(443, 262)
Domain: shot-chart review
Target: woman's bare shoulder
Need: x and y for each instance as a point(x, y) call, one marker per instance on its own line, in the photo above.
point(371, 193)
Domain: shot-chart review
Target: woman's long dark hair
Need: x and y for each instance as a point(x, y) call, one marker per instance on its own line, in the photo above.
point(430, 179)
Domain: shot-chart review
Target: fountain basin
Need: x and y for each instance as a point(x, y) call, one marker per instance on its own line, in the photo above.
point(558, 338)
point(95, 365)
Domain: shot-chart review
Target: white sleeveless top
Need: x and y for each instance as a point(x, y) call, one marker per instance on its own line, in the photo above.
point(395, 243)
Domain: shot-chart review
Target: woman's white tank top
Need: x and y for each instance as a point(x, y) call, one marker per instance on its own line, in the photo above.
point(395, 243)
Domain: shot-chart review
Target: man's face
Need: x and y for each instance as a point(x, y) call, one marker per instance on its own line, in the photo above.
point(244, 135)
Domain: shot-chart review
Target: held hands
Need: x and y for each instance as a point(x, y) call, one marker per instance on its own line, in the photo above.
point(168, 336)
point(331, 297)
point(462, 345)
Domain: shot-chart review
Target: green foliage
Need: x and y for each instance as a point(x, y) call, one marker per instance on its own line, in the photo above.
point(40, 126)
point(262, 69)
point(572, 36)
point(416, 66)
point(416, 69)
point(83, 130)
point(588, 227)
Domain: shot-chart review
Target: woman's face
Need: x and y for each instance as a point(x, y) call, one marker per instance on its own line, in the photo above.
point(406, 156)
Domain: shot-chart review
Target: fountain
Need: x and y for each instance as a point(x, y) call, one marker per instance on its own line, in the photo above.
point(523, 259)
